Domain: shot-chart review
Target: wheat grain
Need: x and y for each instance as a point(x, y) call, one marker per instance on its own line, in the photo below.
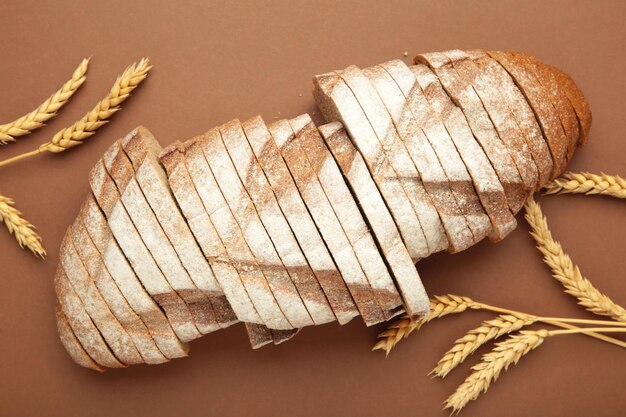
point(440, 306)
point(565, 271)
point(500, 358)
point(20, 228)
point(98, 116)
point(475, 338)
point(46, 110)
point(586, 183)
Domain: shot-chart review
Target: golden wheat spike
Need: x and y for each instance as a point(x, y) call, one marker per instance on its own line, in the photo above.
point(475, 338)
point(20, 228)
point(565, 271)
point(587, 183)
point(493, 363)
point(46, 110)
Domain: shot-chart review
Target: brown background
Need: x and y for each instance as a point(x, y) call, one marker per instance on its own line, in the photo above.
point(213, 62)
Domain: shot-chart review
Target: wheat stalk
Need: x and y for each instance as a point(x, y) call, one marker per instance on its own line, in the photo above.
point(47, 110)
point(440, 306)
point(22, 230)
point(586, 183)
point(475, 338)
point(507, 353)
point(500, 358)
point(75, 135)
point(565, 271)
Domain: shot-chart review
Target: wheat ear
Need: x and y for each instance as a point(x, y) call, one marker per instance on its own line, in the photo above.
point(586, 183)
point(500, 358)
point(75, 135)
point(20, 228)
point(565, 271)
point(46, 110)
point(475, 338)
point(440, 306)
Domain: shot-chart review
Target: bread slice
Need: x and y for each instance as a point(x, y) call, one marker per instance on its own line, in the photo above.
point(337, 103)
point(247, 216)
point(402, 164)
point(132, 323)
point(184, 190)
point(259, 335)
point(293, 149)
point(122, 227)
point(281, 336)
point(142, 149)
point(132, 290)
point(72, 344)
point(82, 326)
point(114, 334)
point(379, 219)
point(494, 103)
point(486, 182)
point(451, 188)
point(255, 182)
point(577, 100)
point(521, 111)
point(541, 106)
point(482, 128)
point(300, 221)
point(147, 225)
point(232, 237)
point(557, 96)
point(349, 215)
